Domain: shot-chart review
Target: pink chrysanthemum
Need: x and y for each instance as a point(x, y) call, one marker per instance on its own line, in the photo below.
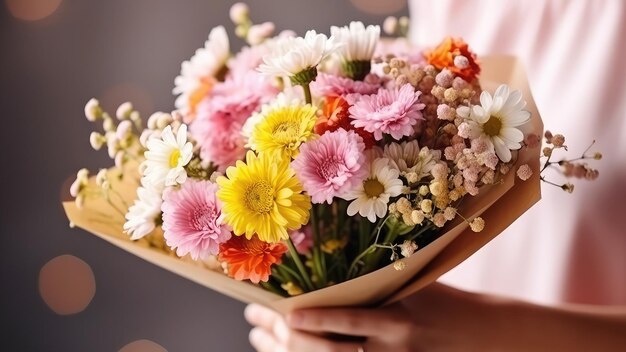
point(191, 219)
point(331, 85)
point(331, 165)
point(392, 112)
point(220, 140)
point(221, 116)
point(248, 59)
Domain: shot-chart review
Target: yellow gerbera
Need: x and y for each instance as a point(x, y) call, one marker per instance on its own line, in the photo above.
point(263, 196)
point(283, 129)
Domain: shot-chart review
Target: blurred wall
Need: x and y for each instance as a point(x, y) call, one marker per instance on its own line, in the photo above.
point(116, 50)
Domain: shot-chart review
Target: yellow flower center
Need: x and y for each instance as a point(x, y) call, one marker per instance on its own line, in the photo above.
point(259, 197)
point(174, 158)
point(373, 188)
point(286, 131)
point(493, 126)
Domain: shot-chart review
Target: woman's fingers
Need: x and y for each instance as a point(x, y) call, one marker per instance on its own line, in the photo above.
point(288, 340)
point(260, 316)
point(272, 334)
point(354, 322)
point(262, 341)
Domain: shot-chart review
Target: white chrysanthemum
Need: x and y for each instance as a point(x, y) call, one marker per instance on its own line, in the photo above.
point(412, 162)
point(197, 75)
point(359, 42)
point(291, 56)
point(496, 120)
point(166, 158)
point(142, 215)
point(370, 198)
point(283, 99)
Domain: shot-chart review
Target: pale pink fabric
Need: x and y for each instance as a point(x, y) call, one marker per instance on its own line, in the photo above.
point(568, 248)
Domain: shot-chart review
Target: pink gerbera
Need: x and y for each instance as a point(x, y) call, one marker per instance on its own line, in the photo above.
point(390, 111)
point(331, 85)
point(331, 165)
point(191, 219)
point(221, 116)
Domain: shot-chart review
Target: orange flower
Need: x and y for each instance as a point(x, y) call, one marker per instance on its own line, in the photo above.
point(443, 57)
point(250, 259)
point(206, 85)
point(335, 115)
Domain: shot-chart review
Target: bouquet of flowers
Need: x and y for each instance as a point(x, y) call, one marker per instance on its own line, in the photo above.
point(336, 170)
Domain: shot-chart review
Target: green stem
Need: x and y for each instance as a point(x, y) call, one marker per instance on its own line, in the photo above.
point(307, 93)
point(371, 262)
point(296, 259)
point(270, 287)
point(288, 274)
point(119, 211)
point(364, 235)
point(318, 257)
point(422, 230)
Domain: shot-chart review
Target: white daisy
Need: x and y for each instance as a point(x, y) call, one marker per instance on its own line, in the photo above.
point(142, 215)
point(198, 74)
point(359, 42)
point(166, 158)
point(410, 160)
point(292, 56)
point(370, 198)
point(496, 120)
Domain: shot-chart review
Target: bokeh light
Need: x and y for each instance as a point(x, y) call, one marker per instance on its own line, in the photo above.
point(143, 346)
point(67, 284)
point(379, 7)
point(32, 10)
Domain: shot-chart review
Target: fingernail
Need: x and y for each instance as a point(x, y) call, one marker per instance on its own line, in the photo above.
point(295, 319)
point(255, 336)
point(250, 311)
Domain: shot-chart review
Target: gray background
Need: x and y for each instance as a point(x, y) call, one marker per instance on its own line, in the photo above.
point(48, 70)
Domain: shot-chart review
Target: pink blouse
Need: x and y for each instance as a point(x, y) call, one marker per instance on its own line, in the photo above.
point(569, 247)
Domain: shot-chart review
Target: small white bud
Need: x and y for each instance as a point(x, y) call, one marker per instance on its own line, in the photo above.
point(123, 111)
point(407, 248)
point(96, 140)
point(124, 130)
point(404, 22)
point(112, 144)
point(399, 265)
point(164, 120)
point(152, 120)
point(239, 13)
point(101, 177)
point(461, 61)
point(108, 124)
point(120, 159)
point(145, 135)
point(82, 178)
point(259, 32)
point(93, 111)
point(390, 26)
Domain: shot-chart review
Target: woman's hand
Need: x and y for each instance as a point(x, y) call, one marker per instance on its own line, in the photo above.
point(441, 318)
point(386, 329)
point(411, 325)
